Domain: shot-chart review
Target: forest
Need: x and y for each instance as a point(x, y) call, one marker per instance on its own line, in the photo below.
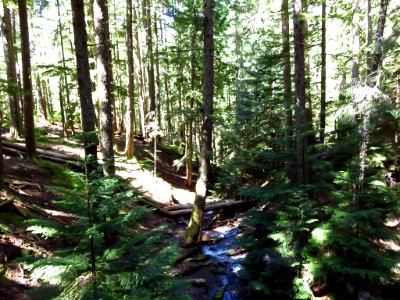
point(187, 149)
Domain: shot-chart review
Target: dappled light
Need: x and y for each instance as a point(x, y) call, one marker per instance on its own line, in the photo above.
point(225, 150)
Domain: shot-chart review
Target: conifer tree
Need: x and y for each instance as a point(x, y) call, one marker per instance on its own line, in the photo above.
point(30, 140)
point(104, 84)
point(194, 231)
point(84, 83)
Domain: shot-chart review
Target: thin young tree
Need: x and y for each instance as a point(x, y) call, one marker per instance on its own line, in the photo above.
point(27, 82)
point(16, 130)
point(104, 84)
point(84, 83)
point(194, 231)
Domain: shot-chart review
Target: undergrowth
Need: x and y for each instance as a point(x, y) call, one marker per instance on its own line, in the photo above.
point(106, 254)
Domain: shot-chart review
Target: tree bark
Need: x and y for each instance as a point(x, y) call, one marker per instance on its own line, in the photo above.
point(368, 31)
point(104, 84)
point(139, 74)
point(66, 113)
point(150, 56)
point(189, 158)
point(16, 130)
point(376, 62)
point(130, 120)
point(42, 98)
point(84, 84)
point(373, 74)
point(355, 69)
point(287, 78)
point(322, 115)
point(301, 120)
point(27, 82)
point(1, 154)
point(194, 231)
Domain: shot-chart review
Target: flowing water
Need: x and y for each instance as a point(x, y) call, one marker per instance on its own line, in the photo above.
point(218, 253)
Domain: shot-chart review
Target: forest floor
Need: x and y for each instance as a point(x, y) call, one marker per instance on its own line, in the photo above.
point(28, 196)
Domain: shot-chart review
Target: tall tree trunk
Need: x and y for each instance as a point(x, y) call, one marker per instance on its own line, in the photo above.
point(130, 121)
point(67, 113)
point(157, 79)
point(287, 78)
point(150, 56)
point(322, 115)
point(307, 64)
point(194, 231)
point(368, 31)
point(168, 100)
point(9, 55)
point(84, 84)
point(61, 100)
point(189, 158)
point(397, 106)
point(376, 61)
point(139, 73)
point(301, 120)
point(41, 98)
point(104, 84)
point(355, 69)
point(373, 80)
point(1, 154)
point(27, 82)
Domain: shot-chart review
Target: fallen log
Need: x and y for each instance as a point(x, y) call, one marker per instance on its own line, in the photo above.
point(170, 212)
point(21, 153)
point(52, 154)
point(179, 207)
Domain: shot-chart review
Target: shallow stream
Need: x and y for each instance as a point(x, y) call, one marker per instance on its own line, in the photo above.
point(230, 265)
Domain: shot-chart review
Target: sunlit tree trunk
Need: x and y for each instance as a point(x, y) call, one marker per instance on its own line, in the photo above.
point(9, 55)
point(157, 72)
point(287, 78)
point(168, 100)
point(84, 83)
point(61, 101)
point(41, 98)
point(322, 115)
point(373, 80)
point(150, 56)
point(301, 120)
point(355, 69)
point(66, 111)
point(104, 84)
point(377, 56)
point(189, 158)
point(130, 120)
point(194, 231)
point(139, 73)
point(27, 82)
point(368, 31)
